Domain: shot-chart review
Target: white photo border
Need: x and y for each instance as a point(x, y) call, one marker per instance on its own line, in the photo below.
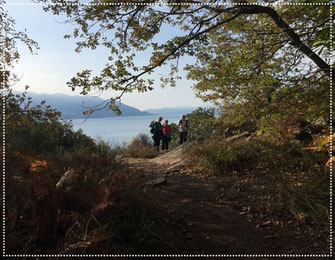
point(3, 96)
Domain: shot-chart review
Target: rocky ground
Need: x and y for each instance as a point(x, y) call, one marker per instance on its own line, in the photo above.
point(236, 214)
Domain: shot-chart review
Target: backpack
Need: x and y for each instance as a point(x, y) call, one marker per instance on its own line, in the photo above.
point(152, 129)
point(156, 129)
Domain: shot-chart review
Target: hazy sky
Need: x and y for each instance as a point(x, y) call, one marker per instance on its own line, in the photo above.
point(56, 62)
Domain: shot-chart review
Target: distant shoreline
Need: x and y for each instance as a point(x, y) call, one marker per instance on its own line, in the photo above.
point(72, 107)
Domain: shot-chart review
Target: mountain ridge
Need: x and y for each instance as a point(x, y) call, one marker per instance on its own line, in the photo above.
point(72, 107)
point(180, 110)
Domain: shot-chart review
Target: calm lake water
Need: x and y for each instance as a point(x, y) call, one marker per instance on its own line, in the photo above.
point(118, 130)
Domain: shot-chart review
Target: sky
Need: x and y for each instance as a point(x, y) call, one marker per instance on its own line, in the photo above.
point(56, 62)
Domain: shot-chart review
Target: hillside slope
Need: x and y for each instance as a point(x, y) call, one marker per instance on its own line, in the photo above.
point(72, 107)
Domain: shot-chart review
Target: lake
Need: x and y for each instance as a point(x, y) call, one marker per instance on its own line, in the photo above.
point(118, 130)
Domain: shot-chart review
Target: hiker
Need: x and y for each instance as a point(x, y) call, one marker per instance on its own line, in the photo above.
point(183, 128)
point(167, 131)
point(156, 130)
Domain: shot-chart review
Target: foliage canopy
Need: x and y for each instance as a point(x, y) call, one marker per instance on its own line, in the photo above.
point(257, 58)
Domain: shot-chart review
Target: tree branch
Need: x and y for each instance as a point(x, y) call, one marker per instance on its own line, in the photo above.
point(295, 39)
point(185, 42)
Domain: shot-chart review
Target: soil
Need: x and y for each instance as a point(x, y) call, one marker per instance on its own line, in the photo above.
point(239, 213)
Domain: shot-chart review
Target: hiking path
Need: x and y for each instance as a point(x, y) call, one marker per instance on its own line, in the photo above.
point(220, 215)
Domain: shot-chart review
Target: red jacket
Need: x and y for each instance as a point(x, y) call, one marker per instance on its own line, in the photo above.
point(167, 129)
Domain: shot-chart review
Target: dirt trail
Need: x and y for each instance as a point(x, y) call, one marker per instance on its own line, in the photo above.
point(207, 213)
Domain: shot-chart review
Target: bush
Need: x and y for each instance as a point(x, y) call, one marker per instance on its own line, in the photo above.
point(140, 140)
point(219, 157)
point(140, 146)
point(97, 210)
point(208, 123)
point(38, 129)
point(302, 175)
point(136, 228)
point(202, 124)
point(100, 157)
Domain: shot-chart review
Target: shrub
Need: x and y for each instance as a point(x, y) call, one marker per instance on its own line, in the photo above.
point(140, 140)
point(136, 228)
point(100, 157)
point(39, 129)
point(98, 210)
point(202, 124)
point(302, 175)
point(141, 152)
point(140, 146)
point(107, 151)
point(218, 157)
point(208, 123)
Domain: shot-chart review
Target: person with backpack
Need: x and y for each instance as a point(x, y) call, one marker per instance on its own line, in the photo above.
point(183, 128)
point(156, 130)
point(167, 131)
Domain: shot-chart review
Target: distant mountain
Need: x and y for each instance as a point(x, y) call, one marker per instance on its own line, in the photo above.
point(72, 107)
point(171, 111)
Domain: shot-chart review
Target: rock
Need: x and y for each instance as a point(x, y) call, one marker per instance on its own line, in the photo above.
point(156, 182)
point(304, 136)
point(320, 122)
point(235, 137)
point(175, 168)
point(66, 179)
point(319, 126)
point(272, 236)
point(119, 158)
point(307, 129)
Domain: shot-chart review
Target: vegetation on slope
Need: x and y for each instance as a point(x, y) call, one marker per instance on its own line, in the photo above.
point(94, 208)
point(300, 167)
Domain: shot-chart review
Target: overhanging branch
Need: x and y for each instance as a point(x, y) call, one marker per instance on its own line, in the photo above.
point(294, 37)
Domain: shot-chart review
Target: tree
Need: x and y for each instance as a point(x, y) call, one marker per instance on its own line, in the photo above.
point(134, 26)
point(9, 55)
point(202, 124)
point(25, 123)
point(9, 37)
point(267, 79)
